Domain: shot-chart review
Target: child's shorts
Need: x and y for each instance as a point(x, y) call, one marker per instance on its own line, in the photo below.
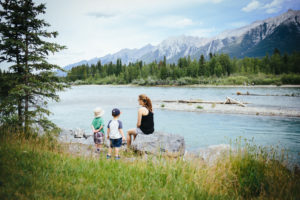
point(115, 143)
point(99, 138)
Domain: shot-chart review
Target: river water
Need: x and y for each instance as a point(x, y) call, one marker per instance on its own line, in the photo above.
point(200, 130)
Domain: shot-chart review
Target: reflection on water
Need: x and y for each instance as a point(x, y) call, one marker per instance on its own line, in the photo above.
point(199, 130)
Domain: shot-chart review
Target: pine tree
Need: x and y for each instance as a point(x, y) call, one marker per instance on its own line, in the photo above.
point(31, 78)
point(201, 65)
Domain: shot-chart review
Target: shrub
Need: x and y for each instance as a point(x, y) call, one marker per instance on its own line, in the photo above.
point(290, 79)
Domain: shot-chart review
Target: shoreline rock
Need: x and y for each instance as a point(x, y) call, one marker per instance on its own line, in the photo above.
point(160, 143)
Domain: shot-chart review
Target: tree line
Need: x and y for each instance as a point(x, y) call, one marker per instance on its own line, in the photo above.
point(217, 65)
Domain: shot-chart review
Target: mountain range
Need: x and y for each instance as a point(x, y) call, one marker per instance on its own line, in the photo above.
point(254, 40)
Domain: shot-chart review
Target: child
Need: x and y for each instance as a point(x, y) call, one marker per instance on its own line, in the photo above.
point(115, 134)
point(98, 129)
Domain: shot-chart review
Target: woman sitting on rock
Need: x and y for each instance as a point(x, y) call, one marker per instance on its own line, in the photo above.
point(145, 123)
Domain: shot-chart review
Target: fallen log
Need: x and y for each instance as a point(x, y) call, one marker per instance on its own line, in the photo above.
point(208, 102)
point(252, 94)
point(233, 101)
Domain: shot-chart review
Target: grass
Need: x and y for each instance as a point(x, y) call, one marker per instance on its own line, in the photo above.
point(199, 107)
point(38, 168)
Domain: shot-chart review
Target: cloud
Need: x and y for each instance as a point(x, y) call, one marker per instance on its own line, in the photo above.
point(274, 6)
point(253, 5)
point(100, 15)
point(138, 6)
point(176, 22)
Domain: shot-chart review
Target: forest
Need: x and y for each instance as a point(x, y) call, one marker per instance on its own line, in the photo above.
point(216, 69)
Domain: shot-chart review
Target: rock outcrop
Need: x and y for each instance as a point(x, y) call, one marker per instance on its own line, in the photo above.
point(77, 136)
point(159, 143)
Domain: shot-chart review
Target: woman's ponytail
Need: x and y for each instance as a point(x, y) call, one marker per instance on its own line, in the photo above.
point(147, 101)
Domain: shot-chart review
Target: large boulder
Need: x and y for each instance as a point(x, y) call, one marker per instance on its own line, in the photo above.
point(159, 143)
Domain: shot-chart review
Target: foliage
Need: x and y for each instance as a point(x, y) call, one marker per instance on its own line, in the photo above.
point(219, 69)
point(30, 81)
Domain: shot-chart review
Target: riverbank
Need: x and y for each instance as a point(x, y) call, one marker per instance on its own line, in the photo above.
point(235, 79)
point(193, 86)
point(41, 168)
point(225, 109)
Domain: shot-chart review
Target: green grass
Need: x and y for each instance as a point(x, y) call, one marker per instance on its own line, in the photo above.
point(199, 107)
point(37, 168)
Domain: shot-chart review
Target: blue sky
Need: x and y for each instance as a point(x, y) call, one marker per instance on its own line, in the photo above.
point(94, 28)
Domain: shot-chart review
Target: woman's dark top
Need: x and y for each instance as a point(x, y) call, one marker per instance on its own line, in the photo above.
point(147, 123)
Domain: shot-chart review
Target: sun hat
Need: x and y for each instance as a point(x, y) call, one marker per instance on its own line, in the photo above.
point(98, 112)
point(115, 112)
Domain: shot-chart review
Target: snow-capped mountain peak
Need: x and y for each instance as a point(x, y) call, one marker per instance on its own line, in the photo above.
point(255, 39)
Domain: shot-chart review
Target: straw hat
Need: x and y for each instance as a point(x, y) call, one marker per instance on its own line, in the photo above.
point(98, 112)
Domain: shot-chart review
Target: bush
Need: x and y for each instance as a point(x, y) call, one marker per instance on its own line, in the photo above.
point(236, 80)
point(290, 79)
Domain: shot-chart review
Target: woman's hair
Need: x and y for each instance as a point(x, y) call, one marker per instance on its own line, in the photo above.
point(147, 101)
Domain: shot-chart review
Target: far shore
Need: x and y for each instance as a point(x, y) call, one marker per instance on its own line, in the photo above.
point(198, 85)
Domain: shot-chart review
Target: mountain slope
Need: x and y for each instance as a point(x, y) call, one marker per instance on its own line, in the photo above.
point(254, 40)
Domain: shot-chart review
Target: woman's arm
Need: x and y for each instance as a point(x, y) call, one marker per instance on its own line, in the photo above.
point(139, 120)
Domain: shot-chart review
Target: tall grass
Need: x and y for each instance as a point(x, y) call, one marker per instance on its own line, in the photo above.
point(38, 168)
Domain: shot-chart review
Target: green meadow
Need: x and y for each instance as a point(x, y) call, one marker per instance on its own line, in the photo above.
point(39, 168)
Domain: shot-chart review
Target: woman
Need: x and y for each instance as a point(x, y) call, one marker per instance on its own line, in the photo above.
point(145, 123)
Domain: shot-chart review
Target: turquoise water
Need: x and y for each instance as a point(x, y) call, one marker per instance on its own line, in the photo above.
point(200, 130)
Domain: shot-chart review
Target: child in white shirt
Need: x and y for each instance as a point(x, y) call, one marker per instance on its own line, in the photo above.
point(115, 134)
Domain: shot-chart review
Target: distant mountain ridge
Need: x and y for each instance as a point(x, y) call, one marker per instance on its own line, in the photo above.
point(254, 40)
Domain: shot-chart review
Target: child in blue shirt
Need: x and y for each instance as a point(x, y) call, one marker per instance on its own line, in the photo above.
point(115, 133)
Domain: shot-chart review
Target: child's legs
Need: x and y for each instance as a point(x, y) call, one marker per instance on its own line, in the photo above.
point(109, 151)
point(117, 151)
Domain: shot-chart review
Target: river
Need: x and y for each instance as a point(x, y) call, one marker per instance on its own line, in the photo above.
point(200, 130)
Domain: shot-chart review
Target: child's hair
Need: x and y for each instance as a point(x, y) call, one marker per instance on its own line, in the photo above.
point(147, 101)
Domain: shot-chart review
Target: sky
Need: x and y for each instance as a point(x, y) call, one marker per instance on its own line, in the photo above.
point(95, 28)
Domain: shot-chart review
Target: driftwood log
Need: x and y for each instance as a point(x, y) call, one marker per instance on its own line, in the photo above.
point(227, 101)
point(233, 101)
point(252, 94)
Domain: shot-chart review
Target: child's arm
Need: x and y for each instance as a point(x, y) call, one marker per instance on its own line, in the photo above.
point(121, 131)
point(93, 129)
point(101, 127)
point(108, 131)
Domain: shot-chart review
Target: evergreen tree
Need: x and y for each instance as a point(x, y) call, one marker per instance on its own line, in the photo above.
point(201, 66)
point(31, 78)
